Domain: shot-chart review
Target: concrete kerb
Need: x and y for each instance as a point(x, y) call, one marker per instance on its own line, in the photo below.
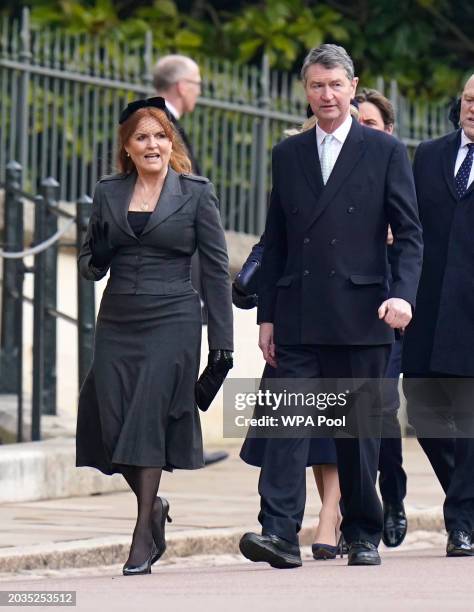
point(111, 550)
point(46, 470)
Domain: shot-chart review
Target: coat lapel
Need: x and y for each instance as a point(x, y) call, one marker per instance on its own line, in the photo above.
point(309, 161)
point(449, 161)
point(118, 195)
point(470, 189)
point(351, 152)
point(171, 200)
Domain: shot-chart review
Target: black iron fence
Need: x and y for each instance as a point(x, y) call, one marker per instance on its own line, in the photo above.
point(61, 95)
point(60, 98)
point(45, 248)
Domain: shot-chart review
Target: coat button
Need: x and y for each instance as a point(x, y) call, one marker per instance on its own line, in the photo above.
point(306, 273)
point(306, 240)
point(351, 209)
point(294, 210)
point(332, 273)
point(333, 242)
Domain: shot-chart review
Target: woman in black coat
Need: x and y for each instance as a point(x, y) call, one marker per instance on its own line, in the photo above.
point(137, 410)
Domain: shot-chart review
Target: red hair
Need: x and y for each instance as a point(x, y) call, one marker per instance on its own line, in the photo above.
point(179, 160)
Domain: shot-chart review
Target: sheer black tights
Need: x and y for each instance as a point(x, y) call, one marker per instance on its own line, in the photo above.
point(144, 482)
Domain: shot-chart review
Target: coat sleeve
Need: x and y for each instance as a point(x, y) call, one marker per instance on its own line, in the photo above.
point(86, 269)
point(214, 266)
point(247, 281)
point(402, 212)
point(274, 254)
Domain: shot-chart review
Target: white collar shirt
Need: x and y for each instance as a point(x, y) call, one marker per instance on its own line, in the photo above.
point(172, 109)
point(340, 135)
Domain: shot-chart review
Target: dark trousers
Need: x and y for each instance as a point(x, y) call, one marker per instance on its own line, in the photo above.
point(440, 408)
point(392, 476)
point(282, 483)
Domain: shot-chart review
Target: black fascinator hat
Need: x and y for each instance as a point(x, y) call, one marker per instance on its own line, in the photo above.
point(156, 102)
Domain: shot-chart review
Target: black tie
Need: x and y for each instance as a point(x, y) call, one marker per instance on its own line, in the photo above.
point(462, 177)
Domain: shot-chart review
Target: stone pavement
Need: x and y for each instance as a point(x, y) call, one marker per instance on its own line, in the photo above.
point(210, 507)
point(409, 579)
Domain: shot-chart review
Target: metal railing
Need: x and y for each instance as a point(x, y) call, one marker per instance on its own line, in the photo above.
point(45, 312)
point(61, 95)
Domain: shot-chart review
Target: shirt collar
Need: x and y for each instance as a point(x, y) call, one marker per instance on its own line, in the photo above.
point(464, 139)
point(339, 134)
point(172, 109)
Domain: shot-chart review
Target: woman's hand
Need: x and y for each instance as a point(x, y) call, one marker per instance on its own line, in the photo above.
point(100, 245)
point(219, 363)
point(219, 360)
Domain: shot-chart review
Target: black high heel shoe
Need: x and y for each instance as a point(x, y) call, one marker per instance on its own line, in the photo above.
point(323, 552)
point(143, 568)
point(159, 532)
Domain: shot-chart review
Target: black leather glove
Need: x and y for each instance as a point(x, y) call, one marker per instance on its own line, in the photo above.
point(219, 363)
point(100, 245)
point(243, 301)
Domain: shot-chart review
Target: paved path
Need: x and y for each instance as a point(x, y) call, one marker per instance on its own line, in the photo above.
point(414, 579)
point(217, 497)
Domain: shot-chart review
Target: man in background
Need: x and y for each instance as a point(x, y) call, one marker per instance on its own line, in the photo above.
point(376, 111)
point(177, 79)
point(438, 360)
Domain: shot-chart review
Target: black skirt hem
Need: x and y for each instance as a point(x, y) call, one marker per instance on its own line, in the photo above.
point(110, 472)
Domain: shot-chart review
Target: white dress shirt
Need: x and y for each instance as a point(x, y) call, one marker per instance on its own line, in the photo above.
point(462, 152)
point(340, 136)
point(172, 109)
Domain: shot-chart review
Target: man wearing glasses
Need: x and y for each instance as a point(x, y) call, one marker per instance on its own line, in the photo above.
point(177, 79)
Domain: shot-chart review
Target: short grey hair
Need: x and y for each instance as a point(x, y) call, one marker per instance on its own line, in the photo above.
point(329, 56)
point(471, 76)
point(170, 69)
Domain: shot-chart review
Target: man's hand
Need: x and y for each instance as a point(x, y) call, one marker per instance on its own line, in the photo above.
point(265, 342)
point(396, 313)
point(389, 236)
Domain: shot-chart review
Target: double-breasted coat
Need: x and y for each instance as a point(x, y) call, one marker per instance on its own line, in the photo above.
point(325, 269)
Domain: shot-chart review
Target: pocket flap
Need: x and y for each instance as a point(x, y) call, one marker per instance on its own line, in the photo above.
point(367, 279)
point(285, 281)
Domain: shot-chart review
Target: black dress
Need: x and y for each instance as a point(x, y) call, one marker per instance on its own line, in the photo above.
point(137, 405)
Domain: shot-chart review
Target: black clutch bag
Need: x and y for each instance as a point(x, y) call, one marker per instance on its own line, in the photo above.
point(212, 378)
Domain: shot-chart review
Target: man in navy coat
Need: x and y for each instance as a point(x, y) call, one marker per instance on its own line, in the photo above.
point(438, 355)
point(325, 307)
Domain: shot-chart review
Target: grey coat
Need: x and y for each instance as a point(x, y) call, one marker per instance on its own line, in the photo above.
point(186, 218)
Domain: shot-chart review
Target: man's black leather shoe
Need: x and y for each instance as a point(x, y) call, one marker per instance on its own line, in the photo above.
point(270, 548)
point(394, 524)
point(459, 544)
point(210, 458)
point(363, 553)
